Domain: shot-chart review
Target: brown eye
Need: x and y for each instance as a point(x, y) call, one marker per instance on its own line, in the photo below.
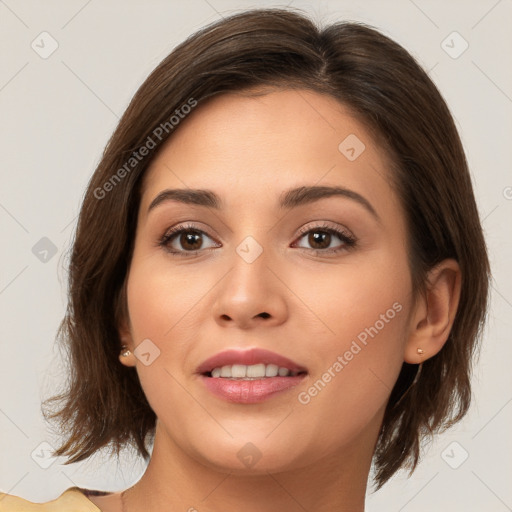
point(322, 238)
point(181, 240)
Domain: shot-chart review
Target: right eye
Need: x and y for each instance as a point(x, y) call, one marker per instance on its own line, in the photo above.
point(185, 240)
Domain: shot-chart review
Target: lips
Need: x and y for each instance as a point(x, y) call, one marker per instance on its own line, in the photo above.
point(248, 357)
point(249, 376)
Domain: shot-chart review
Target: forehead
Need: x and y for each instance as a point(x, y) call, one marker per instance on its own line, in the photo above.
point(243, 145)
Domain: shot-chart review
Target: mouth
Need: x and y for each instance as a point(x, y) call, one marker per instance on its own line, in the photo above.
point(250, 376)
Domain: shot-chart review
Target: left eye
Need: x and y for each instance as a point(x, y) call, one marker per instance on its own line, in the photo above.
point(321, 239)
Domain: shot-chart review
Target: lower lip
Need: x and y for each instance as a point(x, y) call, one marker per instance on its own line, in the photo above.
point(249, 391)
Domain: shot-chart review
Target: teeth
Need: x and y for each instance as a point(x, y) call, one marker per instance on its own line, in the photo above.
point(255, 371)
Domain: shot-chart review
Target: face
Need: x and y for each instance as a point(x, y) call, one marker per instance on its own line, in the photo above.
point(319, 278)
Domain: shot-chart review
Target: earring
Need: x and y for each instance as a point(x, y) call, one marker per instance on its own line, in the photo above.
point(125, 351)
point(420, 351)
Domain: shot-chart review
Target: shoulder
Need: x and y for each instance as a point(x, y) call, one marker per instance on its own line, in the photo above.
point(71, 500)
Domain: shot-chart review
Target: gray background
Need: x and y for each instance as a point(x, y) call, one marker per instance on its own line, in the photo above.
point(57, 112)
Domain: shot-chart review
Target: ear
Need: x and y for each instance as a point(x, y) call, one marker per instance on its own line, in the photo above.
point(126, 355)
point(434, 312)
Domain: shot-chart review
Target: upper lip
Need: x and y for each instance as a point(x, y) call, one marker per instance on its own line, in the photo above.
point(248, 357)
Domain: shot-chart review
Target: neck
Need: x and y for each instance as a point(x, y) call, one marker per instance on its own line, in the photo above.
point(174, 480)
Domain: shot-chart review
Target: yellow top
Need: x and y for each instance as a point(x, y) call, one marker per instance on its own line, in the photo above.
point(72, 500)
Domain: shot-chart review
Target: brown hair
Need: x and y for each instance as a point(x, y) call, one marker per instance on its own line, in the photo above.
point(104, 405)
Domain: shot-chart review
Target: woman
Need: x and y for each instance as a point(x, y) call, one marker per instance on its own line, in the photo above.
point(278, 276)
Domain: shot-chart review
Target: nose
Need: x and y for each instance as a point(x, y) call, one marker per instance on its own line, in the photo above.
point(251, 295)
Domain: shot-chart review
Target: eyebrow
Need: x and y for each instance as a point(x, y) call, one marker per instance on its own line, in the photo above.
point(289, 199)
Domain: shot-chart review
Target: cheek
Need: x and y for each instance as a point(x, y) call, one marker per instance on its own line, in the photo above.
point(163, 297)
point(364, 317)
point(365, 297)
point(166, 306)
point(161, 305)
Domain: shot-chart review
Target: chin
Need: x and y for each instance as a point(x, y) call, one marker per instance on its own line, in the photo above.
point(249, 460)
point(258, 453)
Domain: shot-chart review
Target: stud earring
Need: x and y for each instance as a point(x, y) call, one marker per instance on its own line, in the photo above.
point(420, 351)
point(125, 351)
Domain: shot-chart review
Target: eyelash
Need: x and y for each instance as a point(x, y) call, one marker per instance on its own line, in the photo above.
point(349, 241)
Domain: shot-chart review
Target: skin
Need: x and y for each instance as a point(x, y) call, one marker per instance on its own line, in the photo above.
point(314, 456)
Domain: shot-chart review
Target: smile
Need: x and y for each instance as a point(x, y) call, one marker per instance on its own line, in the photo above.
point(249, 376)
